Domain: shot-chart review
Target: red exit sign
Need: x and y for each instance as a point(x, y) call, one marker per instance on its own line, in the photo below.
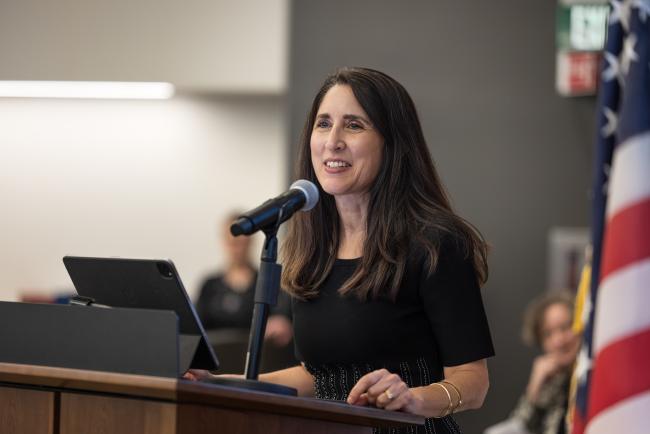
point(577, 72)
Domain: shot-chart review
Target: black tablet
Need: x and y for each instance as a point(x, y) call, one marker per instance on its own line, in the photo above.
point(145, 283)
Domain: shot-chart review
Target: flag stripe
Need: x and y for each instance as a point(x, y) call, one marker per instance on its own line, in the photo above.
point(621, 371)
point(623, 419)
point(578, 425)
point(630, 180)
point(627, 238)
point(623, 303)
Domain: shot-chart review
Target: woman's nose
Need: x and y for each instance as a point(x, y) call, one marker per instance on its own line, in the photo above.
point(334, 140)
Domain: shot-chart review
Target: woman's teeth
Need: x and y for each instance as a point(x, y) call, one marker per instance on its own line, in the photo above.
point(336, 164)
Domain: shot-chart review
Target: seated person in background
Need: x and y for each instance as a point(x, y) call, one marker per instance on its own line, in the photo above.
point(547, 325)
point(226, 298)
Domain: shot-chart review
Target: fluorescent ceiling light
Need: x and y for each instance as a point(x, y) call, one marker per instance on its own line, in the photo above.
point(86, 89)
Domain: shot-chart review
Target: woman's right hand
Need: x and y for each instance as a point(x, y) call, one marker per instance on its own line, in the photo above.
point(202, 375)
point(549, 364)
point(197, 375)
point(544, 367)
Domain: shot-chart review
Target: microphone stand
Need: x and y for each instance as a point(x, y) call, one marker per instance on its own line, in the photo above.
point(266, 295)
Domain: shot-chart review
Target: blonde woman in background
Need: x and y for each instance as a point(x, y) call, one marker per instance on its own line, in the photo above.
point(541, 409)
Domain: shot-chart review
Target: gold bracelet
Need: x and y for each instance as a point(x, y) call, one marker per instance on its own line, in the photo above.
point(451, 404)
point(460, 399)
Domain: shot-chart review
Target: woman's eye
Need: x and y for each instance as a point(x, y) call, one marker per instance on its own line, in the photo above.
point(355, 126)
point(322, 123)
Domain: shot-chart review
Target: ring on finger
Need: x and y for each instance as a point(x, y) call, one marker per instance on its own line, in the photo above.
point(389, 395)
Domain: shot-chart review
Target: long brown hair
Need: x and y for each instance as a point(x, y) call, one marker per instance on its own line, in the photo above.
point(408, 205)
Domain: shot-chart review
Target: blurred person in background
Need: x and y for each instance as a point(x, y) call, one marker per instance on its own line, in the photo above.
point(226, 298)
point(542, 408)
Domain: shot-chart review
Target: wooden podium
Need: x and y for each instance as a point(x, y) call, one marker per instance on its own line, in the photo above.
point(47, 400)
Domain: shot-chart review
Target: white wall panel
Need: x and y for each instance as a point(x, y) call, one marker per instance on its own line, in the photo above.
point(131, 179)
point(204, 45)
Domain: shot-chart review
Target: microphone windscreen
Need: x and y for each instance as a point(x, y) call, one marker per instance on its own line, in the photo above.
point(310, 190)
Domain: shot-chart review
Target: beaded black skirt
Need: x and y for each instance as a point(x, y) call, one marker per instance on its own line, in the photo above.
point(334, 381)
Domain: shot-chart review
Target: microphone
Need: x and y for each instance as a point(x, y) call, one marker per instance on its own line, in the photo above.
point(302, 195)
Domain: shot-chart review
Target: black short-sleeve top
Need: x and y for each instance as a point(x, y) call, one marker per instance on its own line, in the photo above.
point(436, 320)
point(438, 316)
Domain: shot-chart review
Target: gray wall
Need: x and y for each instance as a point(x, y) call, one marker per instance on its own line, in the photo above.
point(515, 157)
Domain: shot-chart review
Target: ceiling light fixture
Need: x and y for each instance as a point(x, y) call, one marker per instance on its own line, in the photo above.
point(86, 89)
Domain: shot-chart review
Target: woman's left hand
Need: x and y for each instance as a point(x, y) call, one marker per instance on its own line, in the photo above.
point(385, 390)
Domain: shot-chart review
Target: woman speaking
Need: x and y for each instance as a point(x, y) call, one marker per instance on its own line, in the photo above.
point(385, 277)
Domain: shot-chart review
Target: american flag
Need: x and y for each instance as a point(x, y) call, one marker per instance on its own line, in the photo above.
point(613, 369)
